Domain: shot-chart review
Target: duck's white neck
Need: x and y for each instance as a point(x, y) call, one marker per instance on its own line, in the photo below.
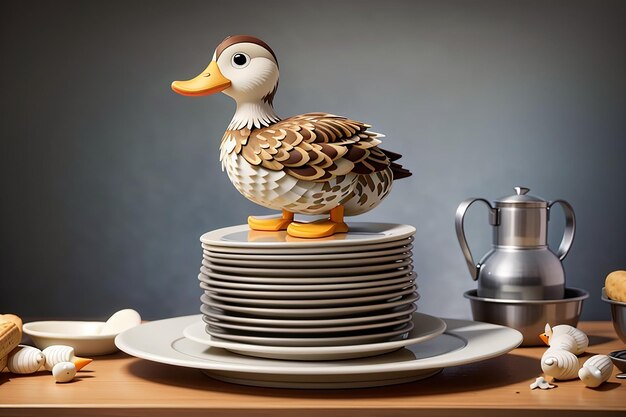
point(253, 115)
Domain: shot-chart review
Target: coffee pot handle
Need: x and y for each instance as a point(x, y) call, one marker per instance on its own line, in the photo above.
point(570, 227)
point(473, 267)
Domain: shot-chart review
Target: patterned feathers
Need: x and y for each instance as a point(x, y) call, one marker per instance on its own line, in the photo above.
point(314, 147)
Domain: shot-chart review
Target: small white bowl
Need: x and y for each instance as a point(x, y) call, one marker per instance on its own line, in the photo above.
point(83, 336)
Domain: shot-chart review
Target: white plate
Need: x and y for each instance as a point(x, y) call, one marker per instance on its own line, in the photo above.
point(301, 323)
point(309, 312)
point(360, 234)
point(320, 263)
point(309, 331)
point(275, 294)
point(424, 327)
point(313, 251)
point(307, 272)
point(84, 336)
point(308, 303)
point(216, 252)
point(230, 336)
point(297, 296)
point(464, 342)
point(395, 273)
point(304, 288)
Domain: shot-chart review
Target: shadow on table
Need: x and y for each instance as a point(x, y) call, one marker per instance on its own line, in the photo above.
point(598, 340)
point(501, 371)
point(607, 386)
point(6, 376)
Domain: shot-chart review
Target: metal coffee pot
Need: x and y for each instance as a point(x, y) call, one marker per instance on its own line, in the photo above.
point(520, 265)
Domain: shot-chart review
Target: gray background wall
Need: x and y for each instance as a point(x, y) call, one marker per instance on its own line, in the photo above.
point(108, 178)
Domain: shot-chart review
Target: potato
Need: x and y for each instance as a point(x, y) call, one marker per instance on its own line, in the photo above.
point(615, 286)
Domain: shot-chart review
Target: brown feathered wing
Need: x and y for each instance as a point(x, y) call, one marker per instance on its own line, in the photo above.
point(318, 147)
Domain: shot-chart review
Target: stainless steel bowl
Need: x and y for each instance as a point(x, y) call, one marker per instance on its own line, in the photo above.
point(529, 317)
point(618, 312)
point(619, 359)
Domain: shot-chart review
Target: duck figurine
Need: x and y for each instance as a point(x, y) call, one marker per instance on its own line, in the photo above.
point(566, 337)
point(314, 163)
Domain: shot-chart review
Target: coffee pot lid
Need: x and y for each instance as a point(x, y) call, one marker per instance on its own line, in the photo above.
point(521, 198)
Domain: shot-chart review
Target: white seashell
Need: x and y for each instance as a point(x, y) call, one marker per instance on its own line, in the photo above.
point(560, 364)
point(121, 321)
point(57, 354)
point(563, 342)
point(541, 383)
point(582, 341)
point(25, 360)
point(596, 370)
point(64, 371)
point(61, 353)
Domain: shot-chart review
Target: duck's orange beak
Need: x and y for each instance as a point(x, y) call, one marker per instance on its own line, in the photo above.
point(545, 338)
point(209, 81)
point(80, 363)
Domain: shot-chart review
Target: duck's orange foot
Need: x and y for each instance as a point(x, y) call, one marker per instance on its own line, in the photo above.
point(316, 229)
point(271, 224)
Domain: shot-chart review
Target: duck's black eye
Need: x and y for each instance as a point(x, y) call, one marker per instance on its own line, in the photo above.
point(240, 60)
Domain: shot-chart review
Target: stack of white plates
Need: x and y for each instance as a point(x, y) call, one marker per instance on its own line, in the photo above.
point(325, 313)
point(268, 289)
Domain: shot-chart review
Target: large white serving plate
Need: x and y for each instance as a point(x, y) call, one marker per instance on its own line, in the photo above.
point(295, 262)
point(304, 322)
point(322, 312)
point(311, 251)
point(275, 294)
point(345, 279)
point(463, 342)
point(360, 234)
point(251, 256)
point(307, 272)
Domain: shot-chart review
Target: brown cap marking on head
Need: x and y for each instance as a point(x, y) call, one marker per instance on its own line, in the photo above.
point(231, 40)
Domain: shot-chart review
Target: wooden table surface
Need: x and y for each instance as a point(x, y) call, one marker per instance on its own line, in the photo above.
point(118, 385)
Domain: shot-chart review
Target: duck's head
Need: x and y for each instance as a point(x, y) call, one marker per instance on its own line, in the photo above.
point(243, 67)
point(546, 335)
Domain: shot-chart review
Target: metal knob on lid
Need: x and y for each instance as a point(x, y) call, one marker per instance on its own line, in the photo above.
point(523, 220)
point(520, 199)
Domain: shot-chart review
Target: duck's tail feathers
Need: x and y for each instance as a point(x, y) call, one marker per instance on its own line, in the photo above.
point(398, 170)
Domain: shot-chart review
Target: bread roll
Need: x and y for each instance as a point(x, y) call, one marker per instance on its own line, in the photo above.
point(10, 336)
point(12, 318)
point(615, 286)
